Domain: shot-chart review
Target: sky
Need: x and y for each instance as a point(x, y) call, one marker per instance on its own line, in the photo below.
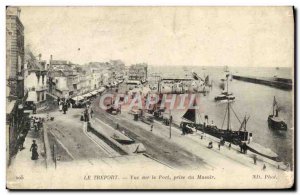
point(196, 36)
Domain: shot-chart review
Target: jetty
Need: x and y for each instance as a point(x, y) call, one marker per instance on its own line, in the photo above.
point(281, 83)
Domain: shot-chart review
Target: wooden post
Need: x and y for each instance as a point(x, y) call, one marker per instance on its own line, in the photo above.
point(54, 156)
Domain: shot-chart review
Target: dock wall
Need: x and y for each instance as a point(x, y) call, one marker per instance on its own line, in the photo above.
point(285, 84)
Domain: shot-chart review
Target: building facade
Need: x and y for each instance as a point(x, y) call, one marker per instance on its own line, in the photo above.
point(138, 72)
point(14, 53)
point(35, 81)
point(15, 119)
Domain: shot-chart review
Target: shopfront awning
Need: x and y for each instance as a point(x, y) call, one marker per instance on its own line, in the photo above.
point(78, 98)
point(87, 95)
point(101, 89)
point(94, 92)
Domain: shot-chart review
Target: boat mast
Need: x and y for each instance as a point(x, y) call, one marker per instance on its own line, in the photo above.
point(245, 123)
point(199, 117)
point(228, 108)
point(274, 102)
point(227, 84)
point(228, 115)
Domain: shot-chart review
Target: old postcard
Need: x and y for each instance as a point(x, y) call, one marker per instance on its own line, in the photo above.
point(150, 97)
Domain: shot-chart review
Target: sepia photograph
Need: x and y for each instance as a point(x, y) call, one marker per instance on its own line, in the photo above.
point(150, 97)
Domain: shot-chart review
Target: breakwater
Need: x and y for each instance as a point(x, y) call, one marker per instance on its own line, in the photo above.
point(281, 83)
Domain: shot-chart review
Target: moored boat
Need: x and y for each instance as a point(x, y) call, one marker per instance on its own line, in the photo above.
point(192, 119)
point(225, 95)
point(274, 121)
point(226, 69)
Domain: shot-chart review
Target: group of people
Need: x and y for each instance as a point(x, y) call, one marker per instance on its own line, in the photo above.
point(63, 104)
point(36, 123)
point(87, 113)
point(220, 143)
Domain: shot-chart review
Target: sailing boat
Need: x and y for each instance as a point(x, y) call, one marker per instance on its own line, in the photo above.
point(226, 69)
point(225, 95)
point(228, 134)
point(235, 137)
point(196, 76)
point(190, 120)
point(274, 121)
point(240, 137)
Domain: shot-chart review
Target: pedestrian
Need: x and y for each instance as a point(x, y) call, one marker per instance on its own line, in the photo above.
point(31, 123)
point(36, 120)
point(219, 145)
point(87, 114)
point(264, 167)
point(255, 159)
point(85, 117)
point(58, 101)
point(21, 141)
point(117, 126)
point(151, 127)
point(241, 148)
point(60, 106)
point(40, 123)
point(65, 108)
point(183, 130)
point(34, 109)
point(245, 148)
point(68, 103)
point(91, 112)
point(34, 151)
point(82, 117)
point(210, 145)
point(229, 146)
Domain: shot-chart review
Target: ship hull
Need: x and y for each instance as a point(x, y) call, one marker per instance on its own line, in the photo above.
point(276, 125)
point(235, 137)
point(219, 98)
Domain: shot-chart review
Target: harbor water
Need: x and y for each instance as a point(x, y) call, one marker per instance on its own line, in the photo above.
point(251, 99)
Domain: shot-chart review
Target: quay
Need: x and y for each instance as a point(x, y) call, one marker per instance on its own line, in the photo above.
point(281, 83)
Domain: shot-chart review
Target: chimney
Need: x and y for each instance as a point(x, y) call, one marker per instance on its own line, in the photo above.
point(18, 12)
point(50, 62)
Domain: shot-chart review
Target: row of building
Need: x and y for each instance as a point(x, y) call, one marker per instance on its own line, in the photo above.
point(64, 79)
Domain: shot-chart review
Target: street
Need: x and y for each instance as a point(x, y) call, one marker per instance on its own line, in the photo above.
point(68, 129)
